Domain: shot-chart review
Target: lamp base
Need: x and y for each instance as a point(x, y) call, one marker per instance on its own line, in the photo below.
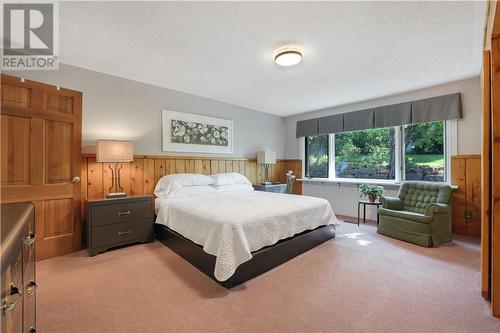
point(116, 195)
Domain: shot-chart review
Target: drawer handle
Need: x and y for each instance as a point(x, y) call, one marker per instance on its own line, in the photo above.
point(30, 239)
point(10, 302)
point(128, 212)
point(123, 233)
point(31, 288)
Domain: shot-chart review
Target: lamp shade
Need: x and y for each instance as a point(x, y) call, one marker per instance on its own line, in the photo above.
point(266, 157)
point(114, 151)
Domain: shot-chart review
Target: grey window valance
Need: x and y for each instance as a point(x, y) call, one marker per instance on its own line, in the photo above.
point(307, 127)
point(331, 124)
point(425, 110)
point(437, 108)
point(393, 115)
point(358, 120)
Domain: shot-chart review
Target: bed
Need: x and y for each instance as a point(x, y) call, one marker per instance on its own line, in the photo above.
point(233, 236)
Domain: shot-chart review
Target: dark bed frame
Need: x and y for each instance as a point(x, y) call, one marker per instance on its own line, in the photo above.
point(262, 260)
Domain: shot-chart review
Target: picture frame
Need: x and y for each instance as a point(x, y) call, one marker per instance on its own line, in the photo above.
point(194, 133)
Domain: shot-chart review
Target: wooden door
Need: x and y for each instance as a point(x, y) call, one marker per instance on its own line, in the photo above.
point(40, 159)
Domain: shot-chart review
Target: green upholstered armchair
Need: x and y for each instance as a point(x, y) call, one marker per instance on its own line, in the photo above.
point(420, 214)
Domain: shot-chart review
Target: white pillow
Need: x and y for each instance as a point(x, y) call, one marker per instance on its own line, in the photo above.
point(187, 191)
point(168, 183)
point(229, 179)
point(233, 188)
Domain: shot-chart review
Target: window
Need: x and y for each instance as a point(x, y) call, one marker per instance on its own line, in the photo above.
point(316, 152)
point(424, 157)
point(410, 152)
point(368, 154)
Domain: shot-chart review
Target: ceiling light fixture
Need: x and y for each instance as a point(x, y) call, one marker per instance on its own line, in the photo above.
point(288, 58)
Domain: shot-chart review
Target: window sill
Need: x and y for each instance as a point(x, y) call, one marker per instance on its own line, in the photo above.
point(396, 183)
point(351, 181)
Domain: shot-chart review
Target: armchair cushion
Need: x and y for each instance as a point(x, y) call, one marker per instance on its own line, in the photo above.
point(416, 196)
point(407, 215)
point(436, 208)
point(391, 203)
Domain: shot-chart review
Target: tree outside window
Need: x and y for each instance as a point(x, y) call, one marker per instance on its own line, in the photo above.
point(367, 154)
point(424, 151)
point(317, 156)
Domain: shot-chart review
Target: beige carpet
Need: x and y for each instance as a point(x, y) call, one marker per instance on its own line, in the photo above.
point(359, 282)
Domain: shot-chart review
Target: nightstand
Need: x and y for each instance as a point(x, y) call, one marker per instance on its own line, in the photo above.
point(277, 188)
point(117, 222)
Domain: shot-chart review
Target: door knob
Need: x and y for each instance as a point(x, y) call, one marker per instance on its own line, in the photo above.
point(75, 179)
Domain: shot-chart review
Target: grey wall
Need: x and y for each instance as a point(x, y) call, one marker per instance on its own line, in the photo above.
point(117, 108)
point(468, 128)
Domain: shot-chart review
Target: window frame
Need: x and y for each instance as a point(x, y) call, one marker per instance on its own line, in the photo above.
point(328, 162)
point(449, 131)
point(446, 155)
point(397, 161)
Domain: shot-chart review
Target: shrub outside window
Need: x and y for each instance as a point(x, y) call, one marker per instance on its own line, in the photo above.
point(368, 154)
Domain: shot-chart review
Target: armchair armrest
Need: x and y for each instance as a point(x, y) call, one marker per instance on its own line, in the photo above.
point(436, 208)
point(391, 203)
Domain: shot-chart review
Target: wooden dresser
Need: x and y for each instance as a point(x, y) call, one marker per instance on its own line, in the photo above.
point(18, 268)
point(116, 222)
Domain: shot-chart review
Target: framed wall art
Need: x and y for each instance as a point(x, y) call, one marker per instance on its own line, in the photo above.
point(193, 133)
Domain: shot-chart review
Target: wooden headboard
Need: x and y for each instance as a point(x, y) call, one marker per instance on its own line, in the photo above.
point(140, 176)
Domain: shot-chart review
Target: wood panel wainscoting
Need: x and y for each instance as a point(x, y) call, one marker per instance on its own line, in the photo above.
point(466, 200)
point(41, 155)
point(140, 176)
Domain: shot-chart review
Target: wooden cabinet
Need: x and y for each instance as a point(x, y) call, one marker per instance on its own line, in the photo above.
point(466, 201)
point(116, 222)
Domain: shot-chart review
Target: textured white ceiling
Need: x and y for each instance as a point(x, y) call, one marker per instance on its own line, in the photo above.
point(353, 51)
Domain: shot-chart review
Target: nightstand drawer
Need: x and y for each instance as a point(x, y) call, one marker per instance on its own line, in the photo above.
point(124, 232)
point(121, 212)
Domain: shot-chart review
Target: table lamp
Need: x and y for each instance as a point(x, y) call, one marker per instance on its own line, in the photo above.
point(266, 157)
point(117, 152)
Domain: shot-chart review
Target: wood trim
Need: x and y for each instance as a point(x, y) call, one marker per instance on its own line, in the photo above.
point(486, 177)
point(172, 157)
point(466, 156)
point(495, 165)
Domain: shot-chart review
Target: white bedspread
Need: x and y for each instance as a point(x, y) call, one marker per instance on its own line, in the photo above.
point(231, 225)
